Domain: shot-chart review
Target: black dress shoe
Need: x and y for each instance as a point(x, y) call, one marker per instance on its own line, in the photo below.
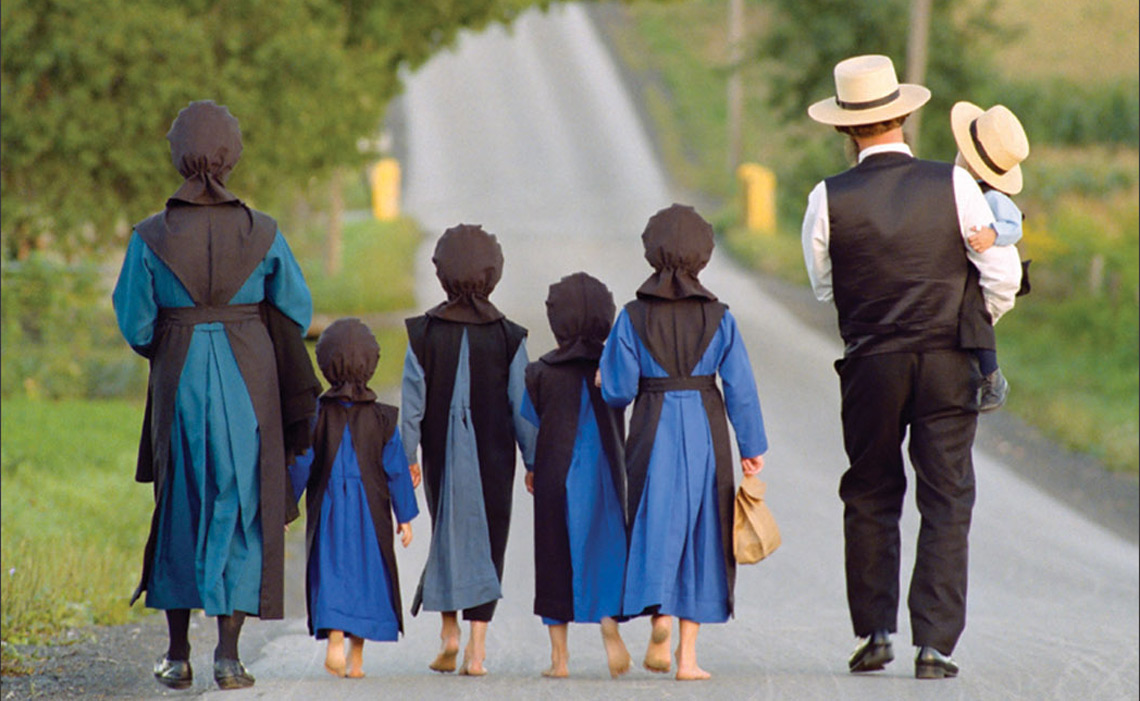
point(175, 674)
point(932, 664)
point(232, 674)
point(872, 654)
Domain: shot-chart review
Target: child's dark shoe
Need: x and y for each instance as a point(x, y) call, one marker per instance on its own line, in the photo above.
point(994, 391)
point(175, 674)
point(231, 674)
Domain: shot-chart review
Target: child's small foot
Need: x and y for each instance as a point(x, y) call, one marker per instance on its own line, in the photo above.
point(556, 671)
point(472, 668)
point(334, 656)
point(994, 391)
point(657, 652)
point(689, 671)
point(617, 656)
point(356, 658)
point(445, 660)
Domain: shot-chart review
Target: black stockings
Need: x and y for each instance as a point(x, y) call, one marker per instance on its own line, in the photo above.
point(229, 628)
point(178, 622)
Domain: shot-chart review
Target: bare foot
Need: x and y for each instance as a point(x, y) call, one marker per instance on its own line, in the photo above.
point(334, 655)
point(556, 671)
point(689, 671)
point(448, 652)
point(657, 652)
point(355, 657)
point(472, 667)
point(617, 655)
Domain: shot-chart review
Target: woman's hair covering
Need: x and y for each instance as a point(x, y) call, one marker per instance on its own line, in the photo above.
point(678, 244)
point(581, 311)
point(468, 262)
point(205, 145)
point(347, 354)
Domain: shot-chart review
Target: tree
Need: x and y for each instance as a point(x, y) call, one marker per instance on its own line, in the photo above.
point(811, 36)
point(89, 89)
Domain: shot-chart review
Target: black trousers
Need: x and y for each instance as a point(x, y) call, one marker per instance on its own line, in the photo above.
point(883, 396)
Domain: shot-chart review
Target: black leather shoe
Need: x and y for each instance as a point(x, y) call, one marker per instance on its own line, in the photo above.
point(232, 674)
point(175, 674)
point(873, 653)
point(932, 664)
point(994, 392)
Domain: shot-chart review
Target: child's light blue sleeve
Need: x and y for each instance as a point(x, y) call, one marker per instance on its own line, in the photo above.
point(526, 432)
point(1007, 218)
point(620, 365)
point(413, 399)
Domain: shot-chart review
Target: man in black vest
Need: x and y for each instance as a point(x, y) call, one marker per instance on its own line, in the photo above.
point(886, 240)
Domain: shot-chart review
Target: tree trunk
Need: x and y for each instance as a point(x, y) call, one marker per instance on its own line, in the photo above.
point(335, 241)
point(917, 49)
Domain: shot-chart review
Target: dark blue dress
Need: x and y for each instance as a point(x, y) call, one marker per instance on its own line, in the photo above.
point(349, 586)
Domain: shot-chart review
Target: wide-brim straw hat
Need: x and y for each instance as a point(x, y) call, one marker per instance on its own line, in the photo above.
point(993, 142)
point(867, 91)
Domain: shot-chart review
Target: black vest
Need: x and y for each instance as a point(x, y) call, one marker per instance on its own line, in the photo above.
point(899, 265)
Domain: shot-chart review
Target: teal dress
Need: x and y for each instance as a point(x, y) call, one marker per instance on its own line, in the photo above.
point(208, 545)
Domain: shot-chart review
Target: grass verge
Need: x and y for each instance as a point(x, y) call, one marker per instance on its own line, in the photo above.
point(74, 520)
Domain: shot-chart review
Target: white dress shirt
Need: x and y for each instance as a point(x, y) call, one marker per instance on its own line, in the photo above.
point(999, 266)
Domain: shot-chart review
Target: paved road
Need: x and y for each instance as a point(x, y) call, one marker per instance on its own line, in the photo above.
point(530, 134)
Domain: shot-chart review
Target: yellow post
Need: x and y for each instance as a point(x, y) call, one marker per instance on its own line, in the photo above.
point(759, 197)
point(386, 189)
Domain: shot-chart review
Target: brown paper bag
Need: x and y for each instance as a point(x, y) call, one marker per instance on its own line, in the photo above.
point(755, 534)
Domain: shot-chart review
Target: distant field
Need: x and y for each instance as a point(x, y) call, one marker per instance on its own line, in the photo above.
point(1089, 40)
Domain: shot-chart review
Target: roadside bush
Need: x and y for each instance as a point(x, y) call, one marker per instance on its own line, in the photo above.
point(59, 335)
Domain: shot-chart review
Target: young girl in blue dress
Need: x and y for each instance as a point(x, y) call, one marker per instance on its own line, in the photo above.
point(356, 476)
point(578, 478)
point(665, 351)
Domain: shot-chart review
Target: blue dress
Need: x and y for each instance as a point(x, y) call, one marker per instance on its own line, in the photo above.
point(208, 544)
point(349, 586)
point(594, 521)
point(675, 562)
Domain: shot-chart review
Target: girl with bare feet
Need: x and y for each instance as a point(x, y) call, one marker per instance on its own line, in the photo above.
point(355, 477)
point(462, 395)
point(578, 480)
point(665, 351)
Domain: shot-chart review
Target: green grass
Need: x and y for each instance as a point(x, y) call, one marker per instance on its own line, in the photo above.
point(74, 520)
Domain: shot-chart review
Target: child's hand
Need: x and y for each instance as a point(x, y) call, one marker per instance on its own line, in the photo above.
point(530, 482)
point(598, 379)
point(416, 476)
point(752, 466)
point(982, 238)
point(405, 534)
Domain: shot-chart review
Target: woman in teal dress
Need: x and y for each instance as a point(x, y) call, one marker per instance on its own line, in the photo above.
point(199, 285)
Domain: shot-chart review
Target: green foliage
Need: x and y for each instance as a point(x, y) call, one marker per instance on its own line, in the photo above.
point(378, 271)
point(74, 522)
point(60, 338)
point(83, 148)
point(1061, 111)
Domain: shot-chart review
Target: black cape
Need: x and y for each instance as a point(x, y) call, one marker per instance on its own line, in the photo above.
point(492, 346)
point(555, 392)
point(212, 250)
point(372, 425)
point(677, 333)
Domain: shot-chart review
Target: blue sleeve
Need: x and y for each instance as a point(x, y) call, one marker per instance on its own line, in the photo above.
point(528, 411)
point(285, 285)
point(619, 364)
point(400, 488)
point(299, 472)
point(133, 298)
point(1007, 218)
point(740, 396)
point(526, 433)
point(413, 397)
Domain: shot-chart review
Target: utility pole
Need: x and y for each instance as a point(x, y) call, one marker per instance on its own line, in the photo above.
point(735, 88)
point(917, 48)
